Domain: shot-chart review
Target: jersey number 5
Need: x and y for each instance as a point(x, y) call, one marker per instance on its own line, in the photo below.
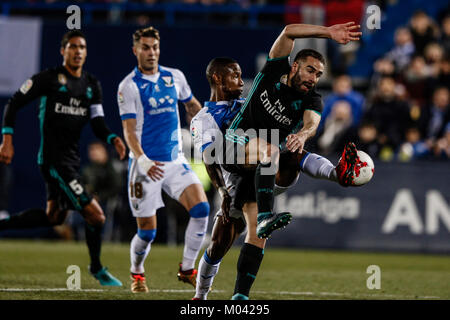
point(76, 187)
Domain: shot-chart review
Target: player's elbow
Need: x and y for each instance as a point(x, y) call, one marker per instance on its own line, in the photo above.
point(289, 31)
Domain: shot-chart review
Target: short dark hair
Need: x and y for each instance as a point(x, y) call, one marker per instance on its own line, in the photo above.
point(217, 65)
point(148, 32)
point(305, 53)
point(71, 34)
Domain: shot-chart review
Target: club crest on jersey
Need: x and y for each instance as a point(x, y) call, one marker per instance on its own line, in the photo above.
point(168, 81)
point(62, 79)
point(284, 79)
point(26, 86)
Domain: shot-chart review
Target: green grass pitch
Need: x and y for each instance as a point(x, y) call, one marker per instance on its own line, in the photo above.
point(37, 270)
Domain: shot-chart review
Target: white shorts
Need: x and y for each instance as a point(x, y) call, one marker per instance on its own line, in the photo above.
point(144, 194)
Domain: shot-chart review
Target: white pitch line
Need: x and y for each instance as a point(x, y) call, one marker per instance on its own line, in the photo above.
point(47, 289)
point(304, 293)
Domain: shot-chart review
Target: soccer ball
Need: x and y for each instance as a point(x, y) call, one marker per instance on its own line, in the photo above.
point(364, 169)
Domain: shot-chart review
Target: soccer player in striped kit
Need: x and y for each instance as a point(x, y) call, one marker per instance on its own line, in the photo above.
point(148, 102)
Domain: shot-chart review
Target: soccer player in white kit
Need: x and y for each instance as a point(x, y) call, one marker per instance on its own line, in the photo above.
point(148, 103)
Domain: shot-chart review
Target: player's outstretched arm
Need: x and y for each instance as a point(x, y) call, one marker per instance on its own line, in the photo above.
point(341, 33)
point(153, 168)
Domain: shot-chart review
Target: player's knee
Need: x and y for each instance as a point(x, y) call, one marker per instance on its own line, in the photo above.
point(101, 219)
point(147, 235)
point(200, 210)
point(97, 220)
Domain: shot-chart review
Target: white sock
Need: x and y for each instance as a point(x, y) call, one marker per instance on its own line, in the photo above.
point(319, 167)
point(139, 250)
point(193, 240)
point(205, 277)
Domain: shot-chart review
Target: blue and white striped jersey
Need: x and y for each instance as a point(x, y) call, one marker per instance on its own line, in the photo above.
point(153, 101)
point(213, 119)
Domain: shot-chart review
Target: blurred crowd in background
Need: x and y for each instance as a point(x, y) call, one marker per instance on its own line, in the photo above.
point(401, 114)
point(405, 113)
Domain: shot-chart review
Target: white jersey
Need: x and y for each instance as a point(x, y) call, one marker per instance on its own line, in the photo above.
point(153, 101)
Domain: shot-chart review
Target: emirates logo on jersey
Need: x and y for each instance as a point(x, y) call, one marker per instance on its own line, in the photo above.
point(275, 110)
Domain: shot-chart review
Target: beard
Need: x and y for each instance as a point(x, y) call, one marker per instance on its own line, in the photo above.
point(297, 82)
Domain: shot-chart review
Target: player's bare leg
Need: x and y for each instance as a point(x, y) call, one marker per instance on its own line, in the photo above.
point(95, 219)
point(139, 250)
point(194, 200)
point(223, 235)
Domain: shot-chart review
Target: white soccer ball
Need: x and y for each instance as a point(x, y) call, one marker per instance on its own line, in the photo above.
point(364, 169)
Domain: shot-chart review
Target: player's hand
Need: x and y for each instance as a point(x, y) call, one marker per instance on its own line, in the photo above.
point(120, 147)
point(295, 142)
point(6, 152)
point(156, 172)
point(344, 33)
point(226, 204)
point(152, 168)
